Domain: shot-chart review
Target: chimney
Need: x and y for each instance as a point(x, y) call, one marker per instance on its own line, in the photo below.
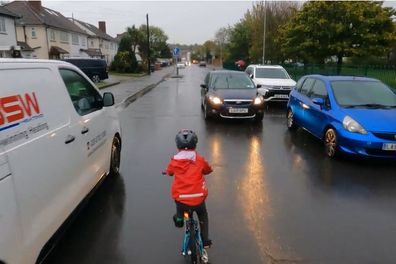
point(36, 5)
point(102, 26)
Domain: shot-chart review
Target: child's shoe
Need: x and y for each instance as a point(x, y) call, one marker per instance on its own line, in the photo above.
point(179, 222)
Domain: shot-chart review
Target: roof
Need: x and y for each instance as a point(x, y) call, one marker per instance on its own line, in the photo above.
point(341, 78)
point(8, 60)
point(93, 52)
point(44, 16)
point(227, 72)
point(4, 11)
point(58, 50)
point(24, 46)
point(266, 66)
point(99, 33)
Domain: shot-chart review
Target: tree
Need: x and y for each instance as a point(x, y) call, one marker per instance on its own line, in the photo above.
point(158, 43)
point(221, 39)
point(240, 39)
point(324, 29)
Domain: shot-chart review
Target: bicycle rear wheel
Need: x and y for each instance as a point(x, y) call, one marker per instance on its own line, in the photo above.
point(192, 245)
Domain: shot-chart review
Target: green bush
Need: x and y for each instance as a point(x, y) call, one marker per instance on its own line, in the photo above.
point(125, 62)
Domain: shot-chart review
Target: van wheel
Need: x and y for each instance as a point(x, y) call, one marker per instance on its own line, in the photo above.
point(96, 78)
point(115, 157)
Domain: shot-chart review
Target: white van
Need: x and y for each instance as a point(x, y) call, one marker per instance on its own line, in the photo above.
point(58, 138)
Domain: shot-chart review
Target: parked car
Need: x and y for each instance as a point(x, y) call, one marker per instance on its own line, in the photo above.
point(275, 82)
point(181, 65)
point(352, 115)
point(202, 64)
point(59, 137)
point(95, 69)
point(231, 94)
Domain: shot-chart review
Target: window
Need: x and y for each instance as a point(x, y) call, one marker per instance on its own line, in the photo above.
point(299, 84)
point(52, 35)
point(75, 39)
point(318, 90)
point(92, 43)
point(83, 41)
point(231, 81)
point(34, 33)
point(307, 86)
point(271, 73)
point(84, 96)
point(2, 25)
point(64, 37)
point(357, 93)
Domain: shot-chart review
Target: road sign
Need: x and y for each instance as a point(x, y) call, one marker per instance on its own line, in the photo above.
point(176, 51)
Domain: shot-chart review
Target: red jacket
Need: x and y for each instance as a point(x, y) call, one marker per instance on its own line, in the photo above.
point(188, 168)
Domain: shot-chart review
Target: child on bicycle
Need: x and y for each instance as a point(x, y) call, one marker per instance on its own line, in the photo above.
point(188, 188)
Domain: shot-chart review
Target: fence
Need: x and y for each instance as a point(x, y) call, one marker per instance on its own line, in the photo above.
point(386, 74)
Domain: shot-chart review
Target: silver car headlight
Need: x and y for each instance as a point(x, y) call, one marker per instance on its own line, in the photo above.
point(215, 100)
point(353, 126)
point(258, 100)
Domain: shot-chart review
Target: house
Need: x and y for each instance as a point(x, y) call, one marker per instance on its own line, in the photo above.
point(8, 41)
point(49, 34)
point(100, 44)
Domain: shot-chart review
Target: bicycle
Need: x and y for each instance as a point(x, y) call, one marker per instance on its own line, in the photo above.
point(192, 247)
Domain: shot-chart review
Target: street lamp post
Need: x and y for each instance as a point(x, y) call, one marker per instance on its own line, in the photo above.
point(265, 25)
point(148, 45)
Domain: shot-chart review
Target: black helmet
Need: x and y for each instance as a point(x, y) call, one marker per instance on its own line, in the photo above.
point(186, 139)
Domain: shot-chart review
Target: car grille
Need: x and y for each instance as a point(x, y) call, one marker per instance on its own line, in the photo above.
point(380, 152)
point(272, 92)
point(282, 87)
point(237, 103)
point(387, 136)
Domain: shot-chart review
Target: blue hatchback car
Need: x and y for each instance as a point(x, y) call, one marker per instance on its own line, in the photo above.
point(354, 115)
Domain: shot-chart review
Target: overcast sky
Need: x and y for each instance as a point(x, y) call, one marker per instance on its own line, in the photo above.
point(184, 22)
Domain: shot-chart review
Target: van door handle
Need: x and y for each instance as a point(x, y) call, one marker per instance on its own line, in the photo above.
point(69, 139)
point(84, 130)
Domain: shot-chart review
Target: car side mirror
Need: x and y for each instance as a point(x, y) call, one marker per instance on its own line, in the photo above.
point(251, 76)
point(258, 86)
point(108, 99)
point(203, 86)
point(318, 101)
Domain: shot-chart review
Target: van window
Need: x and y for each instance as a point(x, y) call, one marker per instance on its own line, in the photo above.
point(84, 96)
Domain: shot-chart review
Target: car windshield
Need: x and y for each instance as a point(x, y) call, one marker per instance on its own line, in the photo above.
point(271, 73)
point(231, 81)
point(367, 94)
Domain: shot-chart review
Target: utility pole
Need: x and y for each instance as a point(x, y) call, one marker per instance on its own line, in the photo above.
point(148, 45)
point(265, 25)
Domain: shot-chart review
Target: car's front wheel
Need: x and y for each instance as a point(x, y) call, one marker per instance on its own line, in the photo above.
point(258, 118)
point(207, 115)
point(331, 141)
point(115, 159)
point(291, 125)
point(96, 78)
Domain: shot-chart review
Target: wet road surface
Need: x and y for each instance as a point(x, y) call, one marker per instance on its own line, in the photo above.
point(273, 196)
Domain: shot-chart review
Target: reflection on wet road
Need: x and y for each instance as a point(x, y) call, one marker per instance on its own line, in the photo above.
point(273, 196)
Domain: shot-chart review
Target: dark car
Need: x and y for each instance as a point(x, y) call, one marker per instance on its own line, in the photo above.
point(95, 69)
point(231, 94)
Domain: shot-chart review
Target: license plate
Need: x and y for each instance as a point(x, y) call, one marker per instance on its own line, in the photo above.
point(238, 110)
point(389, 146)
point(283, 96)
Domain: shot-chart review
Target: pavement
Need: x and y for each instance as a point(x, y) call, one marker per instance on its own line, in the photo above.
point(127, 89)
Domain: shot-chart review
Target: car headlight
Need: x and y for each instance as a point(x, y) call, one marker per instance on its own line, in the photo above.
point(258, 100)
point(353, 126)
point(215, 100)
